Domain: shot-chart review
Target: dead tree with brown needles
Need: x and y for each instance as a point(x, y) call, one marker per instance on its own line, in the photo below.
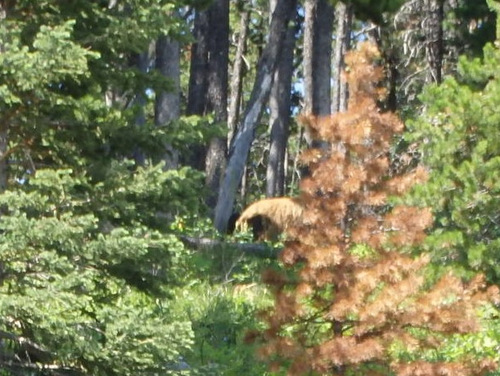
point(350, 292)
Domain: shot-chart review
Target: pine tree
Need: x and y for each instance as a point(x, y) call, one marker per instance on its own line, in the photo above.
point(456, 133)
point(89, 259)
point(351, 297)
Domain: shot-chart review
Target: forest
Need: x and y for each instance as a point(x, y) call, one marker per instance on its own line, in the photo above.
point(249, 187)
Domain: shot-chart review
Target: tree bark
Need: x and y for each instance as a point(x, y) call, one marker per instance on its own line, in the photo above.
point(237, 77)
point(167, 103)
point(433, 29)
point(260, 250)
point(198, 83)
point(215, 161)
point(198, 70)
point(208, 88)
point(309, 19)
point(318, 31)
point(141, 61)
point(4, 139)
point(218, 59)
point(343, 15)
point(279, 106)
point(260, 93)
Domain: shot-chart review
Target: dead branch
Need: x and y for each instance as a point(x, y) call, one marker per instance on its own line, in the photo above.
point(261, 250)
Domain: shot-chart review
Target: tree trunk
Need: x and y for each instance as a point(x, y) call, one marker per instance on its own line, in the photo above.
point(433, 28)
point(215, 161)
point(392, 63)
point(198, 83)
point(265, 72)
point(279, 105)
point(141, 61)
point(4, 142)
point(4, 139)
point(167, 104)
point(343, 15)
point(218, 59)
point(208, 88)
point(198, 71)
point(309, 20)
point(318, 31)
point(237, 77)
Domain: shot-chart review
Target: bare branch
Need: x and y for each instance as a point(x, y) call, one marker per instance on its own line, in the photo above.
point(261, 250)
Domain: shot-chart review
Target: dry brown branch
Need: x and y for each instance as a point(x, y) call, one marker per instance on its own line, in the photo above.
point(352, 291)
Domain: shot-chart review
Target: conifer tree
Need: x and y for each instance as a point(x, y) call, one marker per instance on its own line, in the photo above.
point(352, 299)
point(457, 137)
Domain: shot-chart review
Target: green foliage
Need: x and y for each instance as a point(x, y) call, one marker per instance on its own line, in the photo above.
point(90, 273)
point(373, 9)
point(481, 344)
point(221, 316)
point(456, 134)
point(90, 257)
point(84, 289)
point(93, 276)
point(192, 130)
point(477, 26)
point(152, 196)
point(54, 58)
point(59, 61)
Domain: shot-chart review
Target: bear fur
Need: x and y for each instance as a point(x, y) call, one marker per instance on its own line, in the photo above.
point(270, 217)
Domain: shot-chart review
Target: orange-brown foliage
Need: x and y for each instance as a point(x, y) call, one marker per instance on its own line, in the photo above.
point(339, 308)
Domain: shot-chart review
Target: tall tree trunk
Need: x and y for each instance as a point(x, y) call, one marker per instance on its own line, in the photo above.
point(218, 59)
point(237, 77)
point(4, 140)
point(208, 88)
point(215, 161)
point(198, 82)
point(318, 31)
point(167, 103)
point(265, 72)
point(310, 13)
point(279, 105)
point(343, 15)
point(198, 71)
point(433, 28)
point(141, 61)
